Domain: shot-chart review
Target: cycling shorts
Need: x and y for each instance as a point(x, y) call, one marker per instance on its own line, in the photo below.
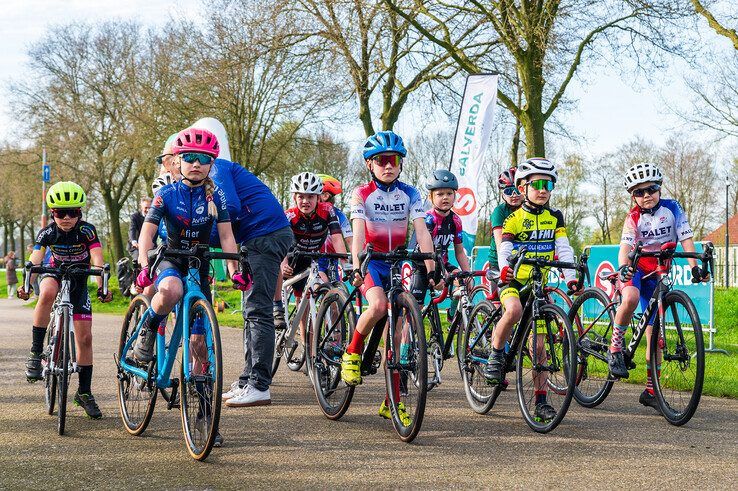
point(513, 290)
point(328, 266)
point(377, 274)
point(646, 287)
point(178, 269)
point(298, 266)
point(78, 295)
point(419, 286)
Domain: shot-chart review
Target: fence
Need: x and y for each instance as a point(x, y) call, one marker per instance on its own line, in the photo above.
point(732, 265)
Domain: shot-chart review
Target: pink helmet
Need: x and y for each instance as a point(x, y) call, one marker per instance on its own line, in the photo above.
point(196, 140)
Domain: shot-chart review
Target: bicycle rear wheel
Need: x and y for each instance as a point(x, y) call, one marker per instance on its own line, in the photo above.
point(475, 342)
point(678, 337)
point(51, 356)
point(200, 394)
point(331, 334)
point(592, 316)
point(63, 370)
point(405, 368)
point(546, 367)
point(136, 395)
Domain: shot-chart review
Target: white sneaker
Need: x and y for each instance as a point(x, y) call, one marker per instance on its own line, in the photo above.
point(233, 391)
point(249, 397)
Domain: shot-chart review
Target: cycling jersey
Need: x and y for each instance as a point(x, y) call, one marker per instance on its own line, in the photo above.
point(184, 210)
point(253, 209)
point(445, 230)
point(346, 231)
point(386, 210)
point(543, 231)
point(311, 231)
point(496, 219)
point(68, 247)
point(665, 222)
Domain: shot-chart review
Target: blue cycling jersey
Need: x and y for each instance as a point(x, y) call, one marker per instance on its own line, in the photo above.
point(254, 210)
point(184, 210)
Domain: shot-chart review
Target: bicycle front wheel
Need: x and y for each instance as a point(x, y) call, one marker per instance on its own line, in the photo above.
point(546, 369)
point(200, 395)
point(475, 342)
point(331, 335)
point(63, 370)
point(592, 315)
point(51, 356)
point(405, 368)
point(681, 358)
point(136, 395)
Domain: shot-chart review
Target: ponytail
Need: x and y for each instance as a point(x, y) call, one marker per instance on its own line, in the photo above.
point(209, 190)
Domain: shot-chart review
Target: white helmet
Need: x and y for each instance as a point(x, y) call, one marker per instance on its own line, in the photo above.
point(215, 127)
point(640, 173)
point(535, 165)
point(161, 181)
point(306, 183)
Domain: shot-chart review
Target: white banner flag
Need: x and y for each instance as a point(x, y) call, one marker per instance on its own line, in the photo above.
point(470, 144)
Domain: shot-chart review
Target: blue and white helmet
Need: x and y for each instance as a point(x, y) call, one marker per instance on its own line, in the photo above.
point(383, 141)
point(161, 181)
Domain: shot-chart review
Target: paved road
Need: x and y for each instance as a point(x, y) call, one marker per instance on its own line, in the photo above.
point(291, 445)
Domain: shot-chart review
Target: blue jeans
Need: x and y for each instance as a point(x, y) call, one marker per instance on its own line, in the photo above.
point(265, 256)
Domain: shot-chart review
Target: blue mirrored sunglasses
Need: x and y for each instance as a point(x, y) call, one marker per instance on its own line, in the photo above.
point(191, 158)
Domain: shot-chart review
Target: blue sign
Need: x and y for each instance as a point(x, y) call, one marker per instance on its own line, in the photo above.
point(46, 173)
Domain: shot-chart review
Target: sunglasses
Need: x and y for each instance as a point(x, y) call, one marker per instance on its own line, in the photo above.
point(202, 158)
point(510, 191)
point(542, 185)
point(160, 158)
point(652, 189)
point(68, 212)
point(384, 160)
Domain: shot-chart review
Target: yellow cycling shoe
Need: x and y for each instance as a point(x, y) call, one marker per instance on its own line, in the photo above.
point(351, 368)
point(384, 411)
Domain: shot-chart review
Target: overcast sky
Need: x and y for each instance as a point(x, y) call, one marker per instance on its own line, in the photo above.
point(610, 111)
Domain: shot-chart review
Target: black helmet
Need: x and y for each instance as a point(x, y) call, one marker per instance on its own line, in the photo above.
point(443, 179)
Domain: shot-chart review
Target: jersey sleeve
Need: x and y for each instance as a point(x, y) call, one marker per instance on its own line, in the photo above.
point(43, 239)
point(156, 212)
point(417, 209)
point(221, 203)
point(430, 223)
point(458, 235)
point(681, 224)
point(345, 224)
point(498, 216)
point(560, 230)
point(630, 226)
point(358, 206)
point(334, 227)
point(89, 235)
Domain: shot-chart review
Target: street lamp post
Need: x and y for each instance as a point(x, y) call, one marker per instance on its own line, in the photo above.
point(727, 238)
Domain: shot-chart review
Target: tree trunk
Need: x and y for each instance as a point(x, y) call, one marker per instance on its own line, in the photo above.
point(22, 251)
point(116, 239)
point(5, 239)
point(535, 143)
point(365, 116)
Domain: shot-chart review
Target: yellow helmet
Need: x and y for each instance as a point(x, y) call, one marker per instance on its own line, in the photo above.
point(66, 194)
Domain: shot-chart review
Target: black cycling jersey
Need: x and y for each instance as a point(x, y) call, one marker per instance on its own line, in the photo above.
point(68, 247)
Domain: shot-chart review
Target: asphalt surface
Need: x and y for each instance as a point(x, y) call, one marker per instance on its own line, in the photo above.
point(290, 444)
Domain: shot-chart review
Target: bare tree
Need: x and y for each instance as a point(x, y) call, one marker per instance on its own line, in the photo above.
point(539, 47)
point(718, 26)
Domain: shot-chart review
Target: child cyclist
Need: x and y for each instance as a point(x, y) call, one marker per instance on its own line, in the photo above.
point(71, 240)
point(312, 221)
point(380, 213)
point(331, 189)
point(511, 201)
point(543, 231)
point(189, 208)
point(444, 227)
point(653, 221)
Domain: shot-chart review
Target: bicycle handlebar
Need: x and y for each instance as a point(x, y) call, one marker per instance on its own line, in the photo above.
point(200, 251)
point(668, 251)
point(68, 269)
point(520, 258)
point(399, 254)
point(450, 278)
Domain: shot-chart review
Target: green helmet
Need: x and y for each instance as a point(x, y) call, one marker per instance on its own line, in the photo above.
point(66, 194)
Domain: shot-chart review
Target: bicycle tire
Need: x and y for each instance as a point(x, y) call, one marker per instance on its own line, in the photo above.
point(63, 381)
point(593, 383)
point(136, 396)
point(478, 294)
point(201, 426)
point(479, 394)
point(557, 296)
point(50, 377)
point(332, 393)
point(548, 312)
point(414, 368)
point(682, 351)
point(279, 334)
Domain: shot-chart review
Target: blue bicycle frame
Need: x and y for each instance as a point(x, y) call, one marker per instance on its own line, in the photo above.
point(165, 355)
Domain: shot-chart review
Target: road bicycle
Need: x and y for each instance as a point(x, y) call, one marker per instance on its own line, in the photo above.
point(543, 362)
point(198, 388)
point(59, 356)
point(406, 374)
point(288, 344)
point(678, 337)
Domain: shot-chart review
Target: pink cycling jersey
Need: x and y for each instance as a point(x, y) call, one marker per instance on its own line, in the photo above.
point(386, 211)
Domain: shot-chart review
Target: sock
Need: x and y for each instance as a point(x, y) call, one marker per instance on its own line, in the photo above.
point(541, 396)
point(618, 335)
point(357, 344)
point(649, 380)
point(163, 326)
point(155, 319)
point(278, 304)
point(39, 333)
point(497, 354)
point(85, 379)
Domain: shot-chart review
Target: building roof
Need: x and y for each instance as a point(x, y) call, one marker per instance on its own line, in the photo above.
point(717, 236)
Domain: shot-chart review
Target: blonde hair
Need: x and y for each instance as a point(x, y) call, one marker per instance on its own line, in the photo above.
point(209, 190)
